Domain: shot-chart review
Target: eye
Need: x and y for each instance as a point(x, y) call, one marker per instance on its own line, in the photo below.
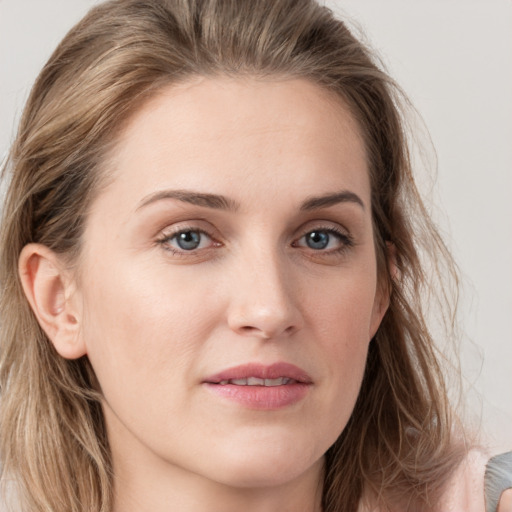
point(187, 240)
point(324, 240)
point(318, 239)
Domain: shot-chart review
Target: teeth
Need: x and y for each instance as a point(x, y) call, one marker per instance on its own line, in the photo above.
point(274, 382)
point(255, 381)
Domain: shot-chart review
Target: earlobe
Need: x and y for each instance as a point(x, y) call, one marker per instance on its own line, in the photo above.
point(383, 295)
point(394, 271)
point(380, 307)
point(50, 292)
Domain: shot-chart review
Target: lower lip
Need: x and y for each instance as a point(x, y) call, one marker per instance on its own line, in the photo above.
point(265, 398)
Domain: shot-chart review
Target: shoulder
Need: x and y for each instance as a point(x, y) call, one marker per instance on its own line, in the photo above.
point(465, 490)
point(480, 484)
point(498, 483)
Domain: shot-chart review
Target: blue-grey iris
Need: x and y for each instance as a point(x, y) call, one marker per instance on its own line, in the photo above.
point(188, 240)
point(317, 240)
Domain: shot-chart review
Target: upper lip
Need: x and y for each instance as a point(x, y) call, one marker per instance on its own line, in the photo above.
point(261, 371)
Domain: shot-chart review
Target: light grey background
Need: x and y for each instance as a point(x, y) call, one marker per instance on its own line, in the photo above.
point(454, 59)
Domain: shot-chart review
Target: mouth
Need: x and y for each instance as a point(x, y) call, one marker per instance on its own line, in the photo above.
point(255, 374)
point(261, 387)
point(256, 381)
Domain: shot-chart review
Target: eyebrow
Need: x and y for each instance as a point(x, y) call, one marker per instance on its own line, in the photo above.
point(214, 201)
point(220, 202)
point(345, 196)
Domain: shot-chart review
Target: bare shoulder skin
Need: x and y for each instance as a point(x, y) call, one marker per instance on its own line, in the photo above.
point(466, 489)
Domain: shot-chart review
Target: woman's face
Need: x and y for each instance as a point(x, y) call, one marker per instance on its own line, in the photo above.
point(229, 288)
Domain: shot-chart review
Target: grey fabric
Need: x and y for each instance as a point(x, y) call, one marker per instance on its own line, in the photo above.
point(498, 478)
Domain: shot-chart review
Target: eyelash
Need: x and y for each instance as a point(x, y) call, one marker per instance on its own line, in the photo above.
point(166, 238)
point(346, 241)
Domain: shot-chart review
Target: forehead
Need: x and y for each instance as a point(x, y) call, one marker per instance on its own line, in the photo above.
point(266, 135)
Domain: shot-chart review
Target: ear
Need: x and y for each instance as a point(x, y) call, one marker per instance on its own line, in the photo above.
point(51, 294)
point(380, 306)
point(383, 293)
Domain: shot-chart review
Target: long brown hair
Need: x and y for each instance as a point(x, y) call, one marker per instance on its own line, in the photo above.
point(397, 446)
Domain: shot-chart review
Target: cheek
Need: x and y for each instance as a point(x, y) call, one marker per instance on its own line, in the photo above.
point(342, 310)
point(136, 319)
point(342, 317)
point(142, 338)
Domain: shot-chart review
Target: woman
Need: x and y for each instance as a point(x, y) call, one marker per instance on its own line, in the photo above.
point(211, 279)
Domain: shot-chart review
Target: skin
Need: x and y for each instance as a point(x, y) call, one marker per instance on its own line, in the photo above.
point(505, 504)
point(156, 320)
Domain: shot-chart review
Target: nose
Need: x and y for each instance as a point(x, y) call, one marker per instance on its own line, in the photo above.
point(264, 300)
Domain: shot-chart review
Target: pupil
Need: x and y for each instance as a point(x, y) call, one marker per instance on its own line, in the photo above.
point(188, 240)
point(317, 240)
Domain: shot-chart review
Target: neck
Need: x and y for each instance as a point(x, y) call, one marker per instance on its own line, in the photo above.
point(145, 482)
point(139, 488)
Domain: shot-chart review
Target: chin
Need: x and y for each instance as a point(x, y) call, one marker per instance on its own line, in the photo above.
point(266, 463)
point(264, 476)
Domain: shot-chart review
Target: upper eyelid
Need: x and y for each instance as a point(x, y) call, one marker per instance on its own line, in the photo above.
point(183, 226)
point(169, 233)
point(323, 225)
point(345, 237)
point(205, 227)
point(184, 229)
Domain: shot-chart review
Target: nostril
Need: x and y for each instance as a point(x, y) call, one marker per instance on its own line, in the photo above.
point(255, 331)
point(264, 333)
